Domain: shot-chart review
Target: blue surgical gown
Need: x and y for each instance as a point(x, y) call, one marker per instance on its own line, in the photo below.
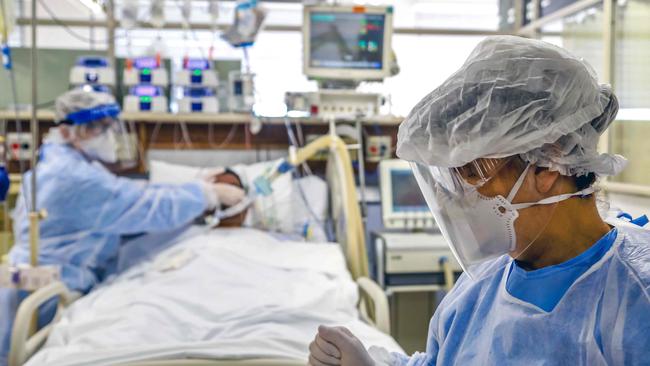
point(602, 319)
point(89, 209)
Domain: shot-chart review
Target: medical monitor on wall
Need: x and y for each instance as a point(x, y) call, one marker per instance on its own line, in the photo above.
point(402, 203)
point(347, 42)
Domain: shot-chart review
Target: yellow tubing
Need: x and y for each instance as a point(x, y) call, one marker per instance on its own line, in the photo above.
point(34, 235)
point(356, 246)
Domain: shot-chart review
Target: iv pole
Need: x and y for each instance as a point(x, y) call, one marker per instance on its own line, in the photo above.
point(34, 215)
point(4, 247)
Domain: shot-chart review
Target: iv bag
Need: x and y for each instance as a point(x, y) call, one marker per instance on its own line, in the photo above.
point(158, 47)
point(249, 17)
point(157, 13)
point(129, 14)
point(7, 19)
point(186, 10)
point(213, 9)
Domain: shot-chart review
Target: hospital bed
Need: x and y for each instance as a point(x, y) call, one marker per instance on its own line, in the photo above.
point(370, 301)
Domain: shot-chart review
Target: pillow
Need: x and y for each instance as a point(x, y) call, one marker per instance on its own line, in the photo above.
point(297, 207)
point(166, 173)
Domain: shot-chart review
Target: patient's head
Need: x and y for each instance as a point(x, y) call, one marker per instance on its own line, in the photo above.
point(230, 177)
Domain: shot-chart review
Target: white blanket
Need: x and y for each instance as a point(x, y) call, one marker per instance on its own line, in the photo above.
point(237, 293)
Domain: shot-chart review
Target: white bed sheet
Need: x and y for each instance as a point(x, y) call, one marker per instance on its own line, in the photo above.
point(223, 294)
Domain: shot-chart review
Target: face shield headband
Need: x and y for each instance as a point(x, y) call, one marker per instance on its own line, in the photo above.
point(85, 116)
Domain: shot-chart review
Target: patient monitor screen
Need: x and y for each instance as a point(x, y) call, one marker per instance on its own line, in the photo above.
point(406, 194)
point(346, 40)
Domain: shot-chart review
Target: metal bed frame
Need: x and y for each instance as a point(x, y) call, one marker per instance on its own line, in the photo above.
point(345, 213)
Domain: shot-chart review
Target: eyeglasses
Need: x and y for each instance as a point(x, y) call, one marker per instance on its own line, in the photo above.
point(478, 172)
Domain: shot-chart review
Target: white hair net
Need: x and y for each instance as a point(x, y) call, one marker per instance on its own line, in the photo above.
point(515, 96)
point(77, 100)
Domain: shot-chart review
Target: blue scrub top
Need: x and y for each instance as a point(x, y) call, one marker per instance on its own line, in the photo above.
point(546, 286)
point(602, 318)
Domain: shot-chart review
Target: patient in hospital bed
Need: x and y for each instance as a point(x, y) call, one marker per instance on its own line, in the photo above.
point(227, 293)
point(296, 210)
point(231, 177)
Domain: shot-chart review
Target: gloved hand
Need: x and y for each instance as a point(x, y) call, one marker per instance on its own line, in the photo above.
point(229, 195)
point(336, 346)
point(210, 174)
point(218, 194)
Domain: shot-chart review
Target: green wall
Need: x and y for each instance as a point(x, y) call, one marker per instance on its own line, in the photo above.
point(53, 74)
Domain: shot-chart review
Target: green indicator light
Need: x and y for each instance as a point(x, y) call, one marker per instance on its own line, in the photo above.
point(145, 99)
point(146, 71)
point(196, 72)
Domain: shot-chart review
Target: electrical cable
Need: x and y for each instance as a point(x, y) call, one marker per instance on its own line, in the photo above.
point(188, 27)
point(301, 140)
point(185, 133)
point(154, 133)
point(290, 134)
point(69, 30)
point(294, 142)
point(308, 205)
point(229, 137)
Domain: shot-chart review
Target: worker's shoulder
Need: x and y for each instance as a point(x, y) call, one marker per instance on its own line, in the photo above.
point(634, 252)
point(484, 275)
point(68, 170)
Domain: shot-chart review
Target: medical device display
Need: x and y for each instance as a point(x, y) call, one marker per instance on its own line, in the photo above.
point(241, 91)
point(147, 79)
point(145, 70)
point(145, 98)
point(404, 193)
point(198, 99)
point(197, 72)
point(403, 205)
point(332, 103)
point(196, 87)
point(347, 42)
point(92, 70)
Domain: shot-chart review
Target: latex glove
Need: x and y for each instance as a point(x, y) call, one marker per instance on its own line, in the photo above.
point(336, 346)
point(218, 194)
point(210, 174)
point(229, 195)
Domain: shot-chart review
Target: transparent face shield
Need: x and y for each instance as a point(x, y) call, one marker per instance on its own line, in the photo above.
point(478, 225)
point(110, 141)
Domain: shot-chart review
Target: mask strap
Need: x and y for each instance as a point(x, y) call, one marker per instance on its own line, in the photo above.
point(518, 184)
point(554, 199)
point(236, 209)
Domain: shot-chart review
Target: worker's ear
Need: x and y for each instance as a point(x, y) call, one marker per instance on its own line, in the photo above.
point(545, 179)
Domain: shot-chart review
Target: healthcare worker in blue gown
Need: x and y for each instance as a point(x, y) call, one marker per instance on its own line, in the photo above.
point(504, 152)
point(88, 207)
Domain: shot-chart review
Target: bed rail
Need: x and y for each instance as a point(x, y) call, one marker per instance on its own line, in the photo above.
point(373, 304)
point(22, 345)
point(248, 362)
point(344, 207)
point(350, 233)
